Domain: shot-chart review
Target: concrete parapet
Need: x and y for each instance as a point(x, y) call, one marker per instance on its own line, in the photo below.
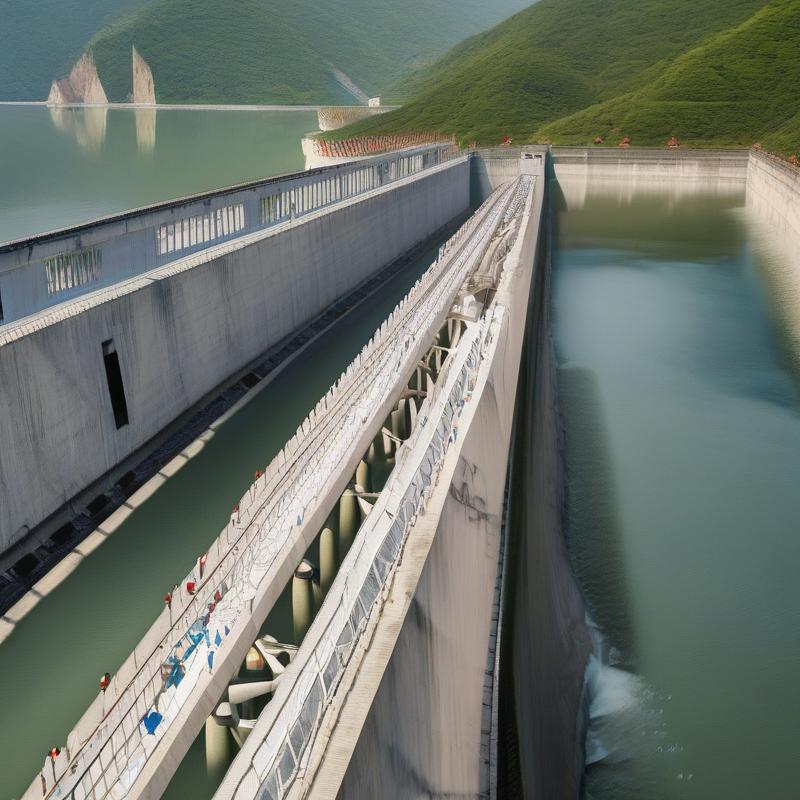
point(52, 268)
point(226, 597)
point(180, 331)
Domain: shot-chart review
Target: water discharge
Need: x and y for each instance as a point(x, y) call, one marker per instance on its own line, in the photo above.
point(674, 334)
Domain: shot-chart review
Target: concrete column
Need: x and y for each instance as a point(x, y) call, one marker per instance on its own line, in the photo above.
point(349, 521)
point(218, 749)
point(302, 600)
point(328, 564)
point(363, 478)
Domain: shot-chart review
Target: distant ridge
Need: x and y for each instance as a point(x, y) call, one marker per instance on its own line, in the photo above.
point(573, 71)
point(274, 51)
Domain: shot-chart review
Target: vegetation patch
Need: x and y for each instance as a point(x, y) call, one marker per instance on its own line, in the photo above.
point(575, 71)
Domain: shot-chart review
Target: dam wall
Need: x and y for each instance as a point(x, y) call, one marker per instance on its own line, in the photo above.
point(629, 172)
point(428, 730)
point(545, 643)
point(52, 268)
point(85, 385)
point(773, 213)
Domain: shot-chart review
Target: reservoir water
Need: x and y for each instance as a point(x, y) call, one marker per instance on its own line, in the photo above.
point(683, 457)
point(64, 166)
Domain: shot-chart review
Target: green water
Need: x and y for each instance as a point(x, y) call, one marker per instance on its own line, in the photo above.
point(683, 452)
point(60, 167)
point(51, 663)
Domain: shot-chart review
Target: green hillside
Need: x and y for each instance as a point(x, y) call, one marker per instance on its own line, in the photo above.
point(41, 39)
point(273, 51)
point(737, 87)
point(569, 70)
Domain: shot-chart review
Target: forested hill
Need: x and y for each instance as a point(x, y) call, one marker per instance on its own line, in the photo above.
point(706, 71)
point(41, 39)
point(274, 51)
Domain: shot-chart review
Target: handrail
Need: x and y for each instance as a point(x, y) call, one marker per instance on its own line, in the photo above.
point(257, 534)
point(50, 268)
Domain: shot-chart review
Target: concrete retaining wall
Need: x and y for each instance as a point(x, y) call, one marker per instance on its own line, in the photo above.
point(773, 211)
point(45, 270)
point(628, 172)
point(181, 331)
point(492, 167)
point(425, 735)
point(774, 187)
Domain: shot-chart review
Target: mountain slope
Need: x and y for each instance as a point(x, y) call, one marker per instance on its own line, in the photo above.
point(736, 87)
point(41, 39)
point(262, 51)
point(552, 60)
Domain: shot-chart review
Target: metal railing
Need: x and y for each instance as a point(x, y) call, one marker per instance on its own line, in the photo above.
point(288, 726)
point(129, 244)
point(111, 744)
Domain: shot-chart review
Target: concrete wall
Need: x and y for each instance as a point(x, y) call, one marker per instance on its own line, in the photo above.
point(135, 242)
point(773, 212)
point(425, 734)
point(545, 643)
point(180, 332)
point(629, 172)
point(492, 167)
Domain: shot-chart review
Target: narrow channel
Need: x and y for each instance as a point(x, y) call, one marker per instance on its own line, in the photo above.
point(52, 661)
point(682, 425)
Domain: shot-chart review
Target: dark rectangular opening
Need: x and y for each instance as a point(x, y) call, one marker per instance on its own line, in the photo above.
point(63, 535)
point(25, 565)
point(98, 504)
point(126, 480)
point(1, 307)
point(116, 389)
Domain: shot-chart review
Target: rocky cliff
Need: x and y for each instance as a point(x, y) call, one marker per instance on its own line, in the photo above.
point(82, 85)
point(144, 90)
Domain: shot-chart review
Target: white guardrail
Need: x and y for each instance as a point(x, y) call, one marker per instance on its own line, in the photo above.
point(44, 270)
point(111, 744)
point(290, 722)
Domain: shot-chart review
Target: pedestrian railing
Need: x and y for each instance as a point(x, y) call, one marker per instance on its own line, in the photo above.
point(45, 270)
point(110, 746)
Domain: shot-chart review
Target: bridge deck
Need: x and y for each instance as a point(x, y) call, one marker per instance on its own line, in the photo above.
point(111, 751)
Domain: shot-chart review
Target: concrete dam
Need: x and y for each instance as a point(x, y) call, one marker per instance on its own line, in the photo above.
point(388, 609)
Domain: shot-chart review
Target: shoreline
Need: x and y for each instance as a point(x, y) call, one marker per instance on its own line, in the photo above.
point(184, 106)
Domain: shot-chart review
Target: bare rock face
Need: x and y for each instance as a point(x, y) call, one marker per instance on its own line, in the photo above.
point(82, 85)
point(144, 89)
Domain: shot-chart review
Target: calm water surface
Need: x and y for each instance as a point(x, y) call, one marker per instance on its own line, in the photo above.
point(683, 447)
point(60, 167)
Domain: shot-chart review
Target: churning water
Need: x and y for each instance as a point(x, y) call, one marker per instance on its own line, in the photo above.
point(683, 451)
